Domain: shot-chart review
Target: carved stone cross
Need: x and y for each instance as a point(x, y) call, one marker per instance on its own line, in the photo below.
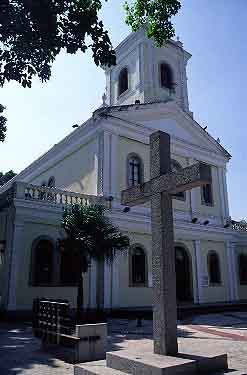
point(162, 185)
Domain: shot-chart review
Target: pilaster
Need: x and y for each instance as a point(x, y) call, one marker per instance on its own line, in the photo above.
point(107, 163)
point(232, 271)
point(114, 189)
point(223, 172)
point(199, 270)
point(15, 263)
point(222, 194)
point(99, 164)
point(7, 256)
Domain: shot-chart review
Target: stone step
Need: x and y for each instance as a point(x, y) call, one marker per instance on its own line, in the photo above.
point(100, 368)
point(207, 359)
point(95, 368)
point(229, 372)
point(138, 363)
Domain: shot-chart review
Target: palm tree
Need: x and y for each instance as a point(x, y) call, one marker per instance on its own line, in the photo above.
point(91, 235)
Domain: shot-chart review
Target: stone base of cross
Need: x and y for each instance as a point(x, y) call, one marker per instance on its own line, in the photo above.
point(162, 185)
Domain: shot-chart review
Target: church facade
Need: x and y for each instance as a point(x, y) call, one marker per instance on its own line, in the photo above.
point(145, 91)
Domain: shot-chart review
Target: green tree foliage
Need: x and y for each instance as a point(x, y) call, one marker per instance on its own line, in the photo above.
point(155, 15)
point(3, 127)
point(91, 235)
point(5, 177)
point(33, 32)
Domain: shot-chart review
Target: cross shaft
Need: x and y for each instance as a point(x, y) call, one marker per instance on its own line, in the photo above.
point(159, 190)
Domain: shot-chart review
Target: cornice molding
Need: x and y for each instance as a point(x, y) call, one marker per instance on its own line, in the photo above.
point(137, 221)
point(166, 109)
point(141, 133)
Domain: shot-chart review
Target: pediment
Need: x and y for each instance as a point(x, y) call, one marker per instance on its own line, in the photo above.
point(170, 118)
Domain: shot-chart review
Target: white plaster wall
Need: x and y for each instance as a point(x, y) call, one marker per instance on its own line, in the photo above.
point(131, 62)
point(127, 146)
point(213, 293)
point(135, 296)
point(215, 209)
point(25, 291)
point(142, 296)
point(77, 172)
point(242, 289)
point(2, 237)
point(142, 58)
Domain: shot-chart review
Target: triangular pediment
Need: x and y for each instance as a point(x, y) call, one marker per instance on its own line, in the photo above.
point(170, 118)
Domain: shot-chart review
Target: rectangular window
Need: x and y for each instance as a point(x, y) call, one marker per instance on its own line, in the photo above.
point(207, 195)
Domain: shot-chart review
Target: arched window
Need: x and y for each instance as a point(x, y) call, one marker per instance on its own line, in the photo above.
point(242, 269)
point(214, 268)
point(166, 76)
point(138, 267)
point(51, 182)
point(134, 170)
point(183, 273)
point(123, 81)
point(176, 167)
point(42, 265)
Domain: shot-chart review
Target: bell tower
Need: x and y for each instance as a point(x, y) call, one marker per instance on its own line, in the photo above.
point(147, 73)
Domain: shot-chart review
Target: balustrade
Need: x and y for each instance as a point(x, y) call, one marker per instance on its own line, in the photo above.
point(56, 196)
point(239, 226)
point(21, 190)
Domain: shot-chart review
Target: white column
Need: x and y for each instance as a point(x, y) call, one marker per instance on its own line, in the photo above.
point(199, 271)
point(99, 161)
point(107, 163)
point(93, 282)
point(114, 188)
point(107, 285)
point(225, 191)
point(232, 271)
point(15, 264)
point(222, 194)
point(115, 281)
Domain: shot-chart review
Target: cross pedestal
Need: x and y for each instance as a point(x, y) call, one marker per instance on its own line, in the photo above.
point(164, 358)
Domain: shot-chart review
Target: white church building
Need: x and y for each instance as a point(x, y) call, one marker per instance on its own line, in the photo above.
point(146, 91)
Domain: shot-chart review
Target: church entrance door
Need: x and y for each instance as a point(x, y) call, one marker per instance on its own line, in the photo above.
point(183, 275)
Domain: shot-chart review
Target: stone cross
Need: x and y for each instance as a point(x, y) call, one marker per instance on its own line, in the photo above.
point(162, 185)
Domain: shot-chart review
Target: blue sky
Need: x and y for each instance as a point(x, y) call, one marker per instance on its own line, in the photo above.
point(214, 32)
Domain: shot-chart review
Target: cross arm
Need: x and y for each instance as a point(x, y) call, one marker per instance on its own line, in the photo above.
point(171, 183)
point(186, 179)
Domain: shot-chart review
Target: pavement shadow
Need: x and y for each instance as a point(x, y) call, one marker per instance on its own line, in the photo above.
point(121, 331)
point(229, 321)
point(20, 351)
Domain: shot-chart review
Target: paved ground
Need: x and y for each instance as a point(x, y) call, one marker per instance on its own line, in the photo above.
point(21, 354)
